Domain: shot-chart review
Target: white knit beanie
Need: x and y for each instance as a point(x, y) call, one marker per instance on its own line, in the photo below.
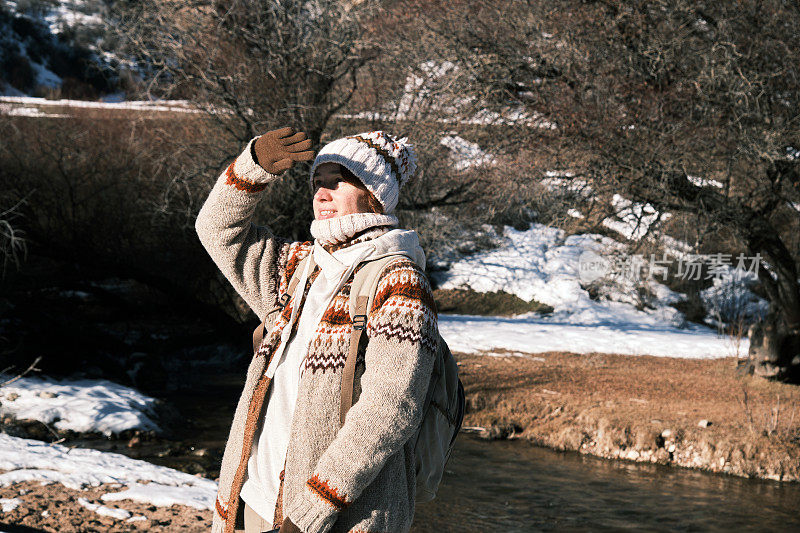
point(382, 163)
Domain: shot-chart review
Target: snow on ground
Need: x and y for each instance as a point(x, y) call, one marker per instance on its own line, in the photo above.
point(731, 299)
point(9, 504)
point(704, 182)
point(102, 510)
point(161, 495)
point(179, 106)
point(72, 13)
point(465, 154)
point(529, 334)
point(674, 247)
point(32, 460)
point(45, 77)
point(542, 264)
point(545, 265)
point(633, 219)
point(82, 405)
point(59, 14)
point(566, 181)
point(425, 96)
point(13, 111)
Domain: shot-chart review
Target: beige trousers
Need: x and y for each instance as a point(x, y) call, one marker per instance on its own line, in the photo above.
point(253, 523)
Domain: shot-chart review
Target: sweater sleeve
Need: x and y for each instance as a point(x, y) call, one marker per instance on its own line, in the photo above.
point(399, 360)
point(248, 255)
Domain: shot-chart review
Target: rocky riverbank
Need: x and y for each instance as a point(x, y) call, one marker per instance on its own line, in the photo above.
point(31, 506)
point(694, 413)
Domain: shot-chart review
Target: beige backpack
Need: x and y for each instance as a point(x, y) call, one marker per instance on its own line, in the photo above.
point(443, 409)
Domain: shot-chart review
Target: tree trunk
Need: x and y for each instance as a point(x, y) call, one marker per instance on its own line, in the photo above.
point(774, 350)
point(775, 343)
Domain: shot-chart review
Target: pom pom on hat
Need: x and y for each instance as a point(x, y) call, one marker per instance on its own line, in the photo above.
point(383, 164)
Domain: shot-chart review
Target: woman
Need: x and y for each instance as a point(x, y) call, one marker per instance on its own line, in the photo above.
point(289, 462)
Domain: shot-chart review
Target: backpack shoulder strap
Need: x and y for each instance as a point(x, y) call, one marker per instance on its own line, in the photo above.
point(258, 334)
point(365, 283)
point(362, 294)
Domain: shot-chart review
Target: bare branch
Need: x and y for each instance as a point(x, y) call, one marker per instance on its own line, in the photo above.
point(31, 368)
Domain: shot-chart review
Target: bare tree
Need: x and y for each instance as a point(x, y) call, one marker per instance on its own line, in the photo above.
point(252, 64)
point(12, 238)
point(691, 107)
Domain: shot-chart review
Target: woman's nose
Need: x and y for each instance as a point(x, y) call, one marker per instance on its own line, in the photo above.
point(322, 193)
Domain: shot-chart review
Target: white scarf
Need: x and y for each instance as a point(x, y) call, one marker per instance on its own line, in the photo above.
point(340, 229)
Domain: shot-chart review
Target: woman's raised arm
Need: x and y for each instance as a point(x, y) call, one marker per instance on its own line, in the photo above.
point(248, 255)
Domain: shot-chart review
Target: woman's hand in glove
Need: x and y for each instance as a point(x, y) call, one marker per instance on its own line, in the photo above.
point(277, 150)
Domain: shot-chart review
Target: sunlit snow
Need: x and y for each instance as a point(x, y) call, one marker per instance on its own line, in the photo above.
point(544, 264)
point(83, 405)
point(465, 154)
point(32, 460)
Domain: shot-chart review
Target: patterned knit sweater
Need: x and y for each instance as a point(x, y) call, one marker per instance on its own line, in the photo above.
point(357, 477)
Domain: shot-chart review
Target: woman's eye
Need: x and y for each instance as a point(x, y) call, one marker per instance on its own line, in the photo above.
point(328, 183)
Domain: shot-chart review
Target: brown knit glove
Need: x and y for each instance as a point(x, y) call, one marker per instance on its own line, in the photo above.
point(289, 527)
point(277, 150)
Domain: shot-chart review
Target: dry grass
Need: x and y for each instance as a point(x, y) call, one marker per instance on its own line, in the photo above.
point(611, 405)
point(485, 303)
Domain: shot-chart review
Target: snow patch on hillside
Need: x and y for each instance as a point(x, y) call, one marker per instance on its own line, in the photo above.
point(34, 107)
point(62, 14)
point(55, 39)
point(731, 300)
point(564, 181)
point(633, 220)
point(71, 13)
point(544, 264)
point(465, 154)
point(426, 95)
point(704, 182)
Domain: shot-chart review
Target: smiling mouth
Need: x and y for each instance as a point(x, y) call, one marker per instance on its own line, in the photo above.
point(326, 213)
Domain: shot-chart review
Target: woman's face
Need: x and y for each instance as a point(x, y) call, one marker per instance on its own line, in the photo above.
point(334, 196)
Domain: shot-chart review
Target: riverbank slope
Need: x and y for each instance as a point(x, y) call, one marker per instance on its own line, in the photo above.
point(695, 413)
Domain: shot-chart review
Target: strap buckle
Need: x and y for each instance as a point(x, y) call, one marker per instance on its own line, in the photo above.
point(283, 300)
point(360, 322)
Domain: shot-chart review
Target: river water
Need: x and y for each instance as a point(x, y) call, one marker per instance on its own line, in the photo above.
point(513, 486)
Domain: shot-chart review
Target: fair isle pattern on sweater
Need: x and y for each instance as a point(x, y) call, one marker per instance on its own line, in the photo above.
point(328, 349)
point(402, 291)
